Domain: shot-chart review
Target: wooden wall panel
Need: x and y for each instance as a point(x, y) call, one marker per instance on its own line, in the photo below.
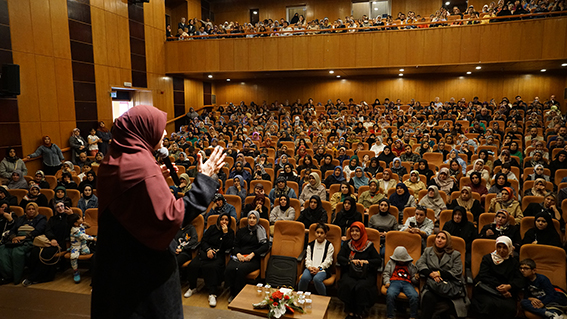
point(41, 46)
point(193, 8)
point(421, 7)
point(41, 27)
point(402, 48)
point(60, 29)
point(423, 88)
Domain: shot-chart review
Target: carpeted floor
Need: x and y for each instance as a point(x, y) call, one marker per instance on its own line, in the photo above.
point(17, 302)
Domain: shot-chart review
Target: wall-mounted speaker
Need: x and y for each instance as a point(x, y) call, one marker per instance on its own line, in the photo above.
point(10, 80)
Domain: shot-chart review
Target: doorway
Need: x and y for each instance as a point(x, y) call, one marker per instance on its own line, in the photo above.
point(291, 11)
point(254, 16)
point(124, 99)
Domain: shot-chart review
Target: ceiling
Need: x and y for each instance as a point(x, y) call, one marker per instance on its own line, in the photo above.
point(552, 66)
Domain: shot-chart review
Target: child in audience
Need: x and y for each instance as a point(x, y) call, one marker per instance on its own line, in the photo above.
point(318, 259)
point(79, 246)
point(400, 275)
point(540, 297)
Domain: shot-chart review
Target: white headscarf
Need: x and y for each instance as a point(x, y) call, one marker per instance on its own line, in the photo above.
point(496, 258)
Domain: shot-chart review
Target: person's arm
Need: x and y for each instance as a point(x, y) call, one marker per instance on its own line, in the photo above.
point(290, 214)
point(308, 260)
point(59, 152)
point(39, 227)
point(37, 152)
point(328, 258)
point(387, 273)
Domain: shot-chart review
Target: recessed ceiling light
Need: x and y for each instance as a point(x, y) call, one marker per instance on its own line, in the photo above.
point(447, 3)
point(375, 9)
point(478, 67)
point(255, 12)
point(242, 83)
point(543, 70)
point(210, 76)
point(564, 64)
point(338, 76)
point(401, 70)
point(331, 72)
point(469, 72)
point(227, 80)
point(401, 74)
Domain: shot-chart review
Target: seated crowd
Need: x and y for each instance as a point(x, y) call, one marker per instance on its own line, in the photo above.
point(200, 29)
point(459, 169)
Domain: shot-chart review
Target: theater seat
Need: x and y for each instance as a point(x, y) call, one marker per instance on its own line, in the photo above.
point(259, 273)
point(289, 238)
point(334, 237)
point(19, 193)
point(412, 242)
point(528, 222)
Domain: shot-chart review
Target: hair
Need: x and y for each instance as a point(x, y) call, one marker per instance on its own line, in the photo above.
point(73, 218)
point(421, 208)
point(322, 226)
point(528, 262)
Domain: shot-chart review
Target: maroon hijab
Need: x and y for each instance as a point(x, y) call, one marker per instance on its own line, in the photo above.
point(131, 184)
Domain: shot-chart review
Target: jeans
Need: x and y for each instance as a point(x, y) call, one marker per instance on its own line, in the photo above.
point(397, 286)
point(306, 277)
point(527, 305)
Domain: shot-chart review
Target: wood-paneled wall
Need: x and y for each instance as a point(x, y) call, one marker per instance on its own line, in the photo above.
point(41, 46)
point(420, 7)
point(276, 9)
point(421, 88)
point(545, 39)
point(315, 9)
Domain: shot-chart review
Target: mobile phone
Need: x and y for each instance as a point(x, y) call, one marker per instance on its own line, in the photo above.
point(412, 224)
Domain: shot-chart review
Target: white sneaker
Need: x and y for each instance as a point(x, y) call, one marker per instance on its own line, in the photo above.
point(212, 300)
point(190, 292)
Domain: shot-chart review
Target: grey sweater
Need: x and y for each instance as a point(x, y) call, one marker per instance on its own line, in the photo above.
point(52, 156)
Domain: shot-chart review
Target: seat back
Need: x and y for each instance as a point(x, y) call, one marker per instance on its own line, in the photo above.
point(412, 242)
point(263, 222)
point(52, 180)
point(267, 203)
point(333, 236)
point(74, 195)
point(212, 220)
point(550, 262)
point(91, 218)
point(19, 193)
point(480, 247)
point(46, 211)
point(359, 208)
point(289, 237)
point(49, 193)
point(199, 224)
point(375, 209)
point(433, 158)
point(528, 222)
point(410, 211)
point(526, 200)
point(17, 210)
point(267, 185)
point(235, 201)
point(459, 245)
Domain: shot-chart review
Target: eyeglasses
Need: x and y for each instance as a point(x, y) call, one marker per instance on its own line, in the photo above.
point(526, 268)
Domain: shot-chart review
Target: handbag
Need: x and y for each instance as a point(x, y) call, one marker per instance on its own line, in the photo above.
point(486, 288)
point(41, 241)
point(357, 271)
point(49, 261)
point(449, 289)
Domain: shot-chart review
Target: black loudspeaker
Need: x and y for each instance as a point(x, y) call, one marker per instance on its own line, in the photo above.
point(10, 80)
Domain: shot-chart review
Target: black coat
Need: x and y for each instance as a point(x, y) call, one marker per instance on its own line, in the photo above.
point(129, 278)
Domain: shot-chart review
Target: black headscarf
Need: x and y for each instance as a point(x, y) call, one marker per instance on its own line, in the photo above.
point(284, 208)
point(387, 211)
point(314, 215)
point(547, 236)
point(374, 170)
point(400, 201)
point(345, 218)
point(387, 158)
point(427, 171)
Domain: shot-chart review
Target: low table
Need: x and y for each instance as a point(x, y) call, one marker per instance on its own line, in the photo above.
point(249, 295)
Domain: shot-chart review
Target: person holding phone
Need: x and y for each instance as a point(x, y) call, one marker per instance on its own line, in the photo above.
point(419, 224)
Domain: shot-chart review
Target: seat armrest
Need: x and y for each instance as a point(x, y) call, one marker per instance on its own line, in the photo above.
point(301, 256)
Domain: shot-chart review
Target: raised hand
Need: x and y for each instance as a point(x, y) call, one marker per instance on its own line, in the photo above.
point(213, 164)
